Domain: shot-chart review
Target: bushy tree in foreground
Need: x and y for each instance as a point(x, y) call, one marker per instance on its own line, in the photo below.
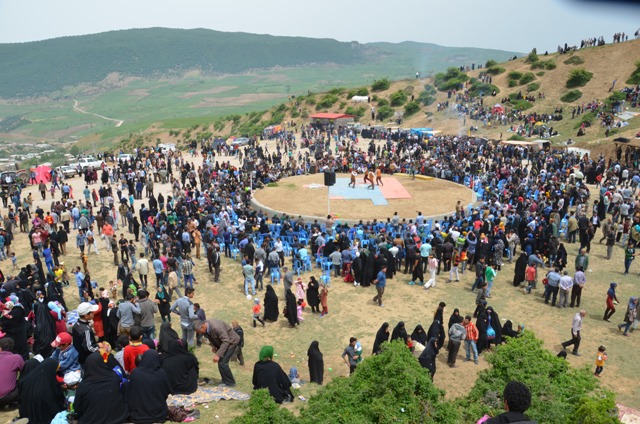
point(560, 394)
point(393, 387)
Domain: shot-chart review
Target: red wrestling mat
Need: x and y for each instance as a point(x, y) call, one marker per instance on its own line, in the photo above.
point(393, 189)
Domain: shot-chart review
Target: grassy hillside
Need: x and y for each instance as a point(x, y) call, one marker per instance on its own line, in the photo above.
point(42, 67)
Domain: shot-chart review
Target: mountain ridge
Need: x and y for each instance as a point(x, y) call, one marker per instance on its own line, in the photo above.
point(41, 67)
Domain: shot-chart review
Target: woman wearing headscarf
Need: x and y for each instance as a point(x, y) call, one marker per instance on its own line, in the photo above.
point(316, 363)
point(148, 390)
point(368, 270)
point(629, 316)
point(164, 303)
point(520, 268)
point(399, 332)
point(41, 396)
point(99, 398)
point(428, 357)
point(313, 295)
point(291, 309)
point(382, 336)
point(481, 324)
point(357, 266)
point(271, 310)
point(167, 336)
point(455, 318)
point(508, 331)
point(45, 330)
point(182, 369)
point(269, 375)
point(611, 297)
point(436, 330)
point(419, 335)
point(14, 325)
point(494, 328)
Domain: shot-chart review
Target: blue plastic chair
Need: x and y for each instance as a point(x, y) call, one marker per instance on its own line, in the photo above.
point(275, 276)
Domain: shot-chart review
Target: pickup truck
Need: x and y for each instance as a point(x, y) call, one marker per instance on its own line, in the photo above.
point(87, 162)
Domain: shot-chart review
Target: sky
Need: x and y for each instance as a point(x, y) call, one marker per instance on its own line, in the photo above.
point(515, 25)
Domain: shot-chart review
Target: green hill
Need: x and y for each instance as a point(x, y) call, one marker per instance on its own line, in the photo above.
point(42, 67)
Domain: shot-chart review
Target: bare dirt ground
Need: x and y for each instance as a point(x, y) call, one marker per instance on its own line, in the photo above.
point(432, 197)
point(352, 313)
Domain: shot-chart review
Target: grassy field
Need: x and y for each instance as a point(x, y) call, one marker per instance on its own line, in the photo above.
point(352, 313)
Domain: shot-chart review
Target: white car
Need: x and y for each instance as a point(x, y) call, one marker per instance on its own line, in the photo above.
point(87, 162)
point(67, 171)
point(125, 157)
point(240, 141)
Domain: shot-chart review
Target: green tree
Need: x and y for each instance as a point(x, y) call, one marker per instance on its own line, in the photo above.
point(381, 84)
point(398, 98)
point(74, 150)
point(411, 108)
point(578, 78)
point(389, 387)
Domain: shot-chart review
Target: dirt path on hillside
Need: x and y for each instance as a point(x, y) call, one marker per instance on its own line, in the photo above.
point(117, 121)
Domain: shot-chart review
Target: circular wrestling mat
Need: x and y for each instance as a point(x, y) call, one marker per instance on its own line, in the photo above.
point(306, 195)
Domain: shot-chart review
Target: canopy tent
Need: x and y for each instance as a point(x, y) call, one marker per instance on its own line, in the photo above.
point(498, 108)
point(43, 173)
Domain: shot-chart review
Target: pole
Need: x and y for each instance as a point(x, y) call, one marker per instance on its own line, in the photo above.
point(328, 201)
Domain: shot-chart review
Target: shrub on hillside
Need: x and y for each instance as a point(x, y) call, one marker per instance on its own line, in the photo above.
point(574, 60)
point(517, 137)
point(384, 113)
point(540, 74)
point(495, 70)
point(532, 57)
point(544, 64)
point(527, 78)
point(514, 75)
point(453, 79)
point(578, 78)
point(362, 91)
point(522, 104)
point(411, 108)
point(262, 409)
point(381, 84)
point(478, 88)
point(383, 102)
point(571, 96)
point(327, 101)
point(560, 394)
point(428, 96)
point(398, 98)
point(635, 75)
point(311, 100)
point(587, 118)
point(490, 63)
point(534, 86)
point(389, 387)
point(337, 91)
point(513, 83)
point(358, 112)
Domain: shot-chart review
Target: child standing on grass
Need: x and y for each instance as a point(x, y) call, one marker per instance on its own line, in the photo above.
point(256, 312)
point(201, 316)
point(299, 308)
point(600, 358)
point(14, 260)
point(324, 294)
point(240, 332)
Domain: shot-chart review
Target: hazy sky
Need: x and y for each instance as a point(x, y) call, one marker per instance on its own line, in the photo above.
point(516, 25)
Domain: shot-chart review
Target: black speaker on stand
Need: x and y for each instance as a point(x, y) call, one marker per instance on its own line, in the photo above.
point(329, 180)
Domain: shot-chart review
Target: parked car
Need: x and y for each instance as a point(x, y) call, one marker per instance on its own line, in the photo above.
point(240, 141)
point(125, 157)
point(87, 162)
point(67, 171)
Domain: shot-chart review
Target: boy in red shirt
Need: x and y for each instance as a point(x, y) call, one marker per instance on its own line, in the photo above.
point(256, 312)
point(133, 349)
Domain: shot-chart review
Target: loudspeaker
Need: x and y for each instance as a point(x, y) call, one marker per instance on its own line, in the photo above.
point(329, 178)
point(474, 169)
